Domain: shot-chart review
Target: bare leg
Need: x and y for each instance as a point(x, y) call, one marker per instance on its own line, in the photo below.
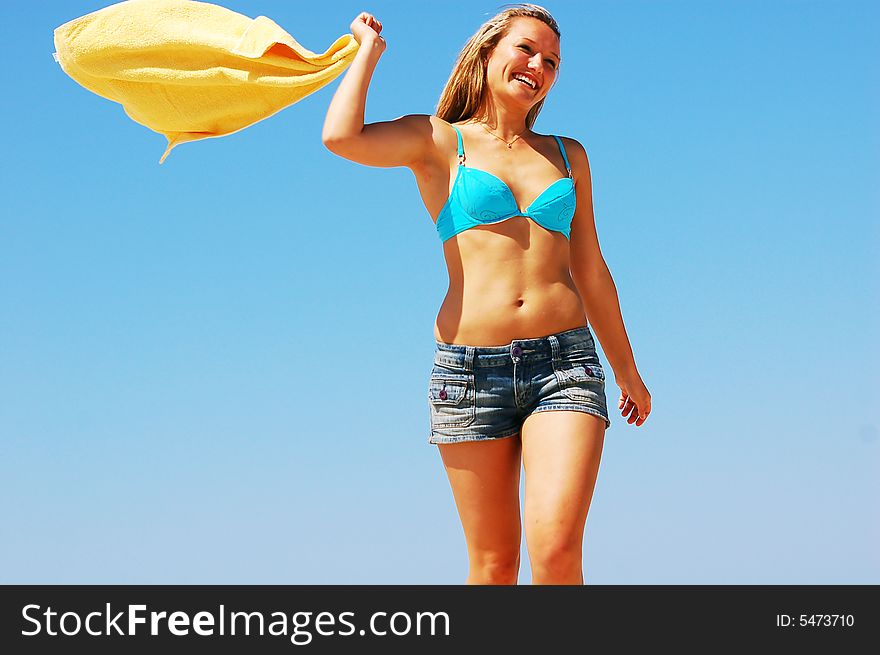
point(561, 451)
point(484, 476)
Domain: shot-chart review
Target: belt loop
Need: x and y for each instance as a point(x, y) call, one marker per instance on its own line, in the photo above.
point(554, 346)
point(469, 358)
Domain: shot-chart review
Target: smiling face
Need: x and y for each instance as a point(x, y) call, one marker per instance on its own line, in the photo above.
point(524, 63)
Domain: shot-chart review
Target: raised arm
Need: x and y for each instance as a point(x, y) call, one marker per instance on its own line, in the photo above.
point(403, 141)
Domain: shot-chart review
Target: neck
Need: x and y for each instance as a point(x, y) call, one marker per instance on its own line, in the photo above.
point(504, 122)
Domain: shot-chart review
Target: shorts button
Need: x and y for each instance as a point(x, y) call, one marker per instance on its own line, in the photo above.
point(442, 394)
point(516, 351)
point(589, 370)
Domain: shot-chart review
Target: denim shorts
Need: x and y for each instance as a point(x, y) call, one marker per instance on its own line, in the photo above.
point(478, 393)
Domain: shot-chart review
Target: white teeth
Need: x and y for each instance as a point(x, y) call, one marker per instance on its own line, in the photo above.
point(526, 80)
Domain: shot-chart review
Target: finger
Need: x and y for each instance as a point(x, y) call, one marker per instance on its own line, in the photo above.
point(627, 406)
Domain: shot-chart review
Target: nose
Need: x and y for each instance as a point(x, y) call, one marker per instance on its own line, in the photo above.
point(536, 62)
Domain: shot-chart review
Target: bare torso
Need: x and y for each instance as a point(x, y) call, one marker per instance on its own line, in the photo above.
point(509, 280)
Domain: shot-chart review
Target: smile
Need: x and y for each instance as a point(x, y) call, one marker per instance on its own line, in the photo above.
point(528, 81)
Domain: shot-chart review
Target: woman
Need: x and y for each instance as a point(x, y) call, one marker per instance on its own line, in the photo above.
point(516, 378)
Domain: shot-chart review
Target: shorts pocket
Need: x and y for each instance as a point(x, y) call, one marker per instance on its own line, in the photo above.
point(580, 375)
point(452, 397)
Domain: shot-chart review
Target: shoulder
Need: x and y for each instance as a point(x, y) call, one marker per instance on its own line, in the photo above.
point(433, 134)
point(423, 124)
point(416, 122)
point(577, 157)
point(443, 131)
point(442, 137)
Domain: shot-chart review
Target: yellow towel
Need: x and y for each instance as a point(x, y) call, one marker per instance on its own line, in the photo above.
point(192, 70)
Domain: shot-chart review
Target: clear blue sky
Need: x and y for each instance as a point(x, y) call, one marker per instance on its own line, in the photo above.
point(215, 370)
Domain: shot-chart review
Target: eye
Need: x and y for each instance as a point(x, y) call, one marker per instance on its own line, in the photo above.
point(527, 48)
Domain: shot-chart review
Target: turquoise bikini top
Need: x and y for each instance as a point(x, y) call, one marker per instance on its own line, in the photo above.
point(480, 198)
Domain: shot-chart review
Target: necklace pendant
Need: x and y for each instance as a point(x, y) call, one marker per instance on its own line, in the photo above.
point(509, 146)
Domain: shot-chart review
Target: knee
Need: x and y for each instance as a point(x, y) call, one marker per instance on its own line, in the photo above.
point(557, 562)
point(494, 569)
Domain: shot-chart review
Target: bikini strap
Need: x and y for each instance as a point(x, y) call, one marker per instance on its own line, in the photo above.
point(564, 156)
point(460, 147)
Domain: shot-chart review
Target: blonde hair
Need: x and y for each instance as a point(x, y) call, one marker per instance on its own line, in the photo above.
point(465, 91)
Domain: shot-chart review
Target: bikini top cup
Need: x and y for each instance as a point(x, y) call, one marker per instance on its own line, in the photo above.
point(480, 198)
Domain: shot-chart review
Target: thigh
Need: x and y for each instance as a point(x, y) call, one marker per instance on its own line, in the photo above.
point(484, 476)
point(561, 451)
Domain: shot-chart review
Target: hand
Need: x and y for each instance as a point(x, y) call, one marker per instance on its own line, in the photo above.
point(366, 27)
point(635, 401)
